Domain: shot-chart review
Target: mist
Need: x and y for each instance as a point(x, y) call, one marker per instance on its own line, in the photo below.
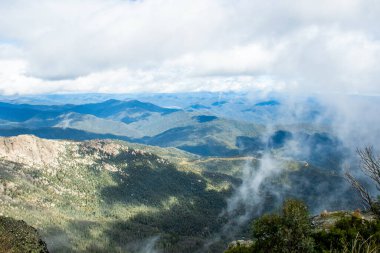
point(342, 124)
point(289, 87)
point(248, 198)
point(148, 245)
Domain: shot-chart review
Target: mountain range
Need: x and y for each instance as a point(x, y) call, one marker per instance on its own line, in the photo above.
point(116, 174)
point(212, 129)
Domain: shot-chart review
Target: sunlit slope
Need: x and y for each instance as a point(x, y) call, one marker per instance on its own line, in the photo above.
point(104, 195)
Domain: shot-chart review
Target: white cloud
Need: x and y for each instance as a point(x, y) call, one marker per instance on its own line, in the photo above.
point(157, 45)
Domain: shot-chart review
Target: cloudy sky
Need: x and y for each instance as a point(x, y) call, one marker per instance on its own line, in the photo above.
point(111, 46)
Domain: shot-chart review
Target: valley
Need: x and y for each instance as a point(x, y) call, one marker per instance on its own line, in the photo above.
point(145, 126)
point(118, 174)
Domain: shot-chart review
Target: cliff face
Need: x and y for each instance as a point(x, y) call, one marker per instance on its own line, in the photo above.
point(49, 156)
point(30, 150)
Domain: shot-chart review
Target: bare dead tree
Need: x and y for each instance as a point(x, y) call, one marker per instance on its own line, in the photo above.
point(363, 192)
point(370, 166)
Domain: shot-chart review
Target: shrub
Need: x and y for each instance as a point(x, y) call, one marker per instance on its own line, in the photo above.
point(289, 231)
point(348, 234)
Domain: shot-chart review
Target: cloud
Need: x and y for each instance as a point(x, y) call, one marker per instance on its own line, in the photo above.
point(155, 45)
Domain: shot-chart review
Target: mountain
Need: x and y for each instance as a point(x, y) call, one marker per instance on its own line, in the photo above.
point(205, 124)
point(199, 132)
point(108, 117)
point(124, 111)
point(132, 120)
point(111, 195)
point(168, 170)
point(215, 137)
point(86, 196)
point(93, 124)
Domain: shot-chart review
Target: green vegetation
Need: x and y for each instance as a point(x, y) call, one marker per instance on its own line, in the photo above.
point(17, 237)
point(348, 233)
point(293, 231)
point(288, 231)
point(107, 196)
point(110, 196)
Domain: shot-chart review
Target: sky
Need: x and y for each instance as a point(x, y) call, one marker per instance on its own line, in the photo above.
point(120, 46)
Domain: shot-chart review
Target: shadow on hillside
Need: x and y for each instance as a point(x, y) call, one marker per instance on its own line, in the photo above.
point(147, 179)
point(132, 235)
point(199, 140)
point(182, 226)
point(177, 205)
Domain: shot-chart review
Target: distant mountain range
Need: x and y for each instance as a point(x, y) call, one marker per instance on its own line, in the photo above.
point(213, 130)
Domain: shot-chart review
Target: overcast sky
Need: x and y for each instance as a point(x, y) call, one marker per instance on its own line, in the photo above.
point(49, 46)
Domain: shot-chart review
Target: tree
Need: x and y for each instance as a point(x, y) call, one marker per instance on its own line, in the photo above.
point(289, 231)
point(370, 166)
